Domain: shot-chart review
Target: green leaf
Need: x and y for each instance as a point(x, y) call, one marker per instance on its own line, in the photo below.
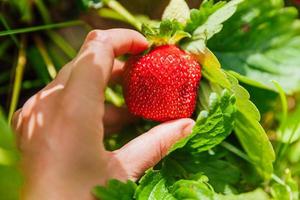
point(177, 10)
point(153, 186)
point(212, 125)
point(85, 4)
point(293, 155)
point(290, 129)
point(10, 177)
point(192, 189)
point(249, 131)
point(286, 189)
point(7, 139)
point(255, 43)
point(211, 68)
point(248, 81)
point(183, 179)
point(10, 183)
point(247, 127)
point(257, 194)
point(199, 16)
point(156, 185)
point(221, 173)
point(115, 190)
point(212, 26)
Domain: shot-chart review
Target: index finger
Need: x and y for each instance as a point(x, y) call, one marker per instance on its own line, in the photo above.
point(93, 65)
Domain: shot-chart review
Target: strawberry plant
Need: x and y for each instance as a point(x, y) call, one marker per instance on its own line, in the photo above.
point(233, 66)
point(228, 155)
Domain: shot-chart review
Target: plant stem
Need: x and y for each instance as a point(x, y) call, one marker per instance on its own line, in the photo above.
point(236, 151)
point(284, 103)
point(116, 6)
point(50, 66)
point(18, 78)
point(62, 44)
point(5, 24)
point(112, 97)
point(42, 27)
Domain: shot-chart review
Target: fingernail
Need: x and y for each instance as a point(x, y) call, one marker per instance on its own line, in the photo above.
point(188, 128)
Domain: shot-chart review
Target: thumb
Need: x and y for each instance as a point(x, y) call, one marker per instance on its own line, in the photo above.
point(148, 149)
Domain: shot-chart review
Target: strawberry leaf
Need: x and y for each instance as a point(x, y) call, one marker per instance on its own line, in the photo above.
point(211, 26)
point(220, 172)
point(253, 195)
point(177, 10)
point(157, 185)
point(256, 44)
point(186, 179)
point(211, 68)
point(212, 126)
point(250, 132)
point(199, 16)
point(286, 190)
point(115, 190)
point(153, 184)
point(247, 127)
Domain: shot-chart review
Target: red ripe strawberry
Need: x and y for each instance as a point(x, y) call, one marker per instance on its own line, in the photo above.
point(162, 85)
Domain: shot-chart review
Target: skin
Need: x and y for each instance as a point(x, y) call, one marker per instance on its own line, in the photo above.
point(61, 128)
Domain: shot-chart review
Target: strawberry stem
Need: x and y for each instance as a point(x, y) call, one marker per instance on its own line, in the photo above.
point(116, 6)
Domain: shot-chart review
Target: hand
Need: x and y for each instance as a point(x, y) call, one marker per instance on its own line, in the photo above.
point(60, 129)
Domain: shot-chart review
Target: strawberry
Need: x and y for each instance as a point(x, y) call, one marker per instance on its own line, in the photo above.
point(162, 85)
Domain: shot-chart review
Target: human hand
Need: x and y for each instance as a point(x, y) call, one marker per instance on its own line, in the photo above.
point(60, 129)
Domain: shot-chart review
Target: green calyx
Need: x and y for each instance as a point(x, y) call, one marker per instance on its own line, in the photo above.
point(168, 32)
point(195, 26)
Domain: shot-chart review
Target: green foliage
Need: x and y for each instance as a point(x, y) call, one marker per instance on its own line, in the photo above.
point(212, 126)
point(177, 10)
point(115, 190)
point(261, 41)
point(253, 195)
point(247, 126)
point(158, 185)
point(285, 190)
point(10, 178)
point(290, 129)
point(213, 18)
point(199, 16)
point(223, 175)
point(24, 8)
point(186, 176)
point(250, 132)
